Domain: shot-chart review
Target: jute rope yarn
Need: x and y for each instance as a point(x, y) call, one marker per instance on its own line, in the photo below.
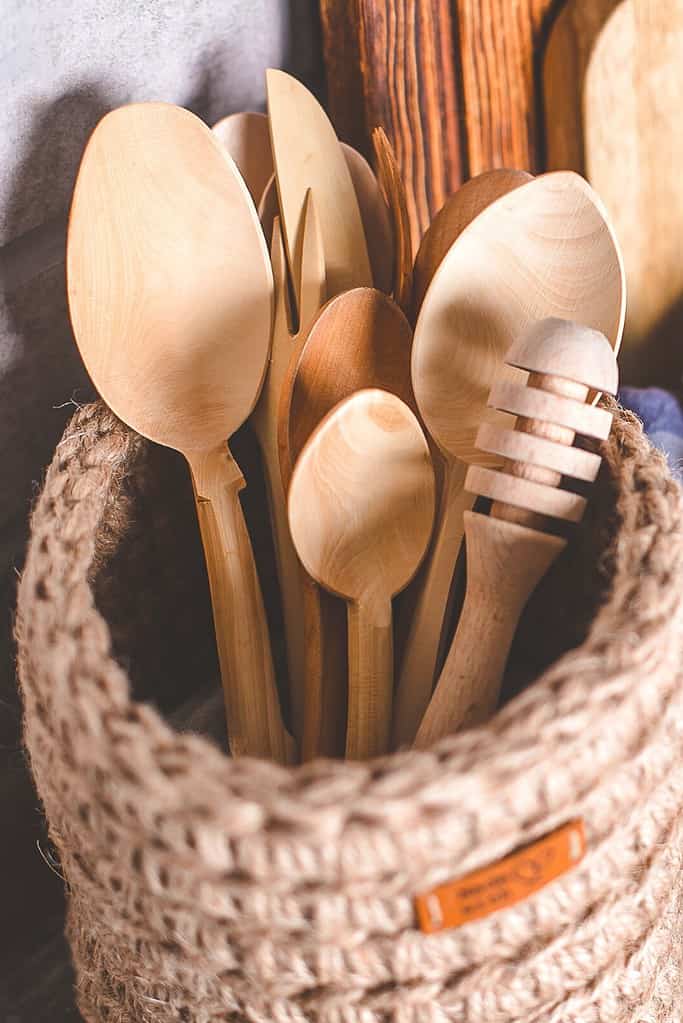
point(203, 889)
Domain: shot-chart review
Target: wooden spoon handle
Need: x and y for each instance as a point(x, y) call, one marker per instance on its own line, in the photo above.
point(505, 562)
point(255, 726)
point(325, 695)
point(427, 611)
point(371, 676)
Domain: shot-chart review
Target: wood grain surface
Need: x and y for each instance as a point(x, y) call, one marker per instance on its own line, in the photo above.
point(407, 57)
point(498, 42)
point(455, 86)
point(345, 102)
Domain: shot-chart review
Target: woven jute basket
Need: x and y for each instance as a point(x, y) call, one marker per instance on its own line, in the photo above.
point(208, 889)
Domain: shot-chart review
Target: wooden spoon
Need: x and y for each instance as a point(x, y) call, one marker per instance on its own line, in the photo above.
point(423, 633)
point(361, 508)
point(377, 222)
point(307, 156)
point(264, 420)
point(373, 210)
point(174, 328)
point(457, 212)
point(360, 339)
point(545, 249)
point(246, 138)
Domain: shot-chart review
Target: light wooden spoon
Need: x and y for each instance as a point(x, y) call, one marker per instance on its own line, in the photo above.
point(246, 138)
point(174, 328)
point(545, 249)
point(361, 508)
point(361, 339)
point(456, 213)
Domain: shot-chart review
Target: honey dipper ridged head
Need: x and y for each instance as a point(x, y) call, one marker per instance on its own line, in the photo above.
point(565, 361)
point(569, 350)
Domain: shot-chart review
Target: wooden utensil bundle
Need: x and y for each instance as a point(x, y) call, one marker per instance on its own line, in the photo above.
point(364, 431)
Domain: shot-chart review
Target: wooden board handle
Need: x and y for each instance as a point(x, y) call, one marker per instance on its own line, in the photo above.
point(371, 672)
point(505, 562)
point(255, 726)
point(418, 666)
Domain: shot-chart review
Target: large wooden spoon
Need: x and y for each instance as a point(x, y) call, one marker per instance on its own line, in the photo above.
point(545, 249)
point(361, 508)
point(174, 328)
point(246, 138)
point(361, 339)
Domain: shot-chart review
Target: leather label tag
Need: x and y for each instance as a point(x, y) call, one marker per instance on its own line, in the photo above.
point(504, 883)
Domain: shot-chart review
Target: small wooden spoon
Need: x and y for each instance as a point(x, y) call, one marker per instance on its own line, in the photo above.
point(456, 213)
point(361, 508)
point(246, 138)
point(545, 249)
point(174, 328)
point(361, 339)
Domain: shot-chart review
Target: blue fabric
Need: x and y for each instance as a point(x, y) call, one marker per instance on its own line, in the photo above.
point(662, 417)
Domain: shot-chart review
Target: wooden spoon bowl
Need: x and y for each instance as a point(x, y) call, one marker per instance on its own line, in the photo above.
point(361, 508)
point(544, 250)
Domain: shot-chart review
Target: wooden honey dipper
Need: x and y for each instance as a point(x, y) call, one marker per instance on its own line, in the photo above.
point(509, 551)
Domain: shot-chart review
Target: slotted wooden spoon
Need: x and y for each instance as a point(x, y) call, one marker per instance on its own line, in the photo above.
point(361, 507)
point(174, 325)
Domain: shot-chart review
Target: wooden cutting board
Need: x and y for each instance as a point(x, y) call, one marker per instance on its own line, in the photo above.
point(613, 89)
point(456, 87)
point(498, 42)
